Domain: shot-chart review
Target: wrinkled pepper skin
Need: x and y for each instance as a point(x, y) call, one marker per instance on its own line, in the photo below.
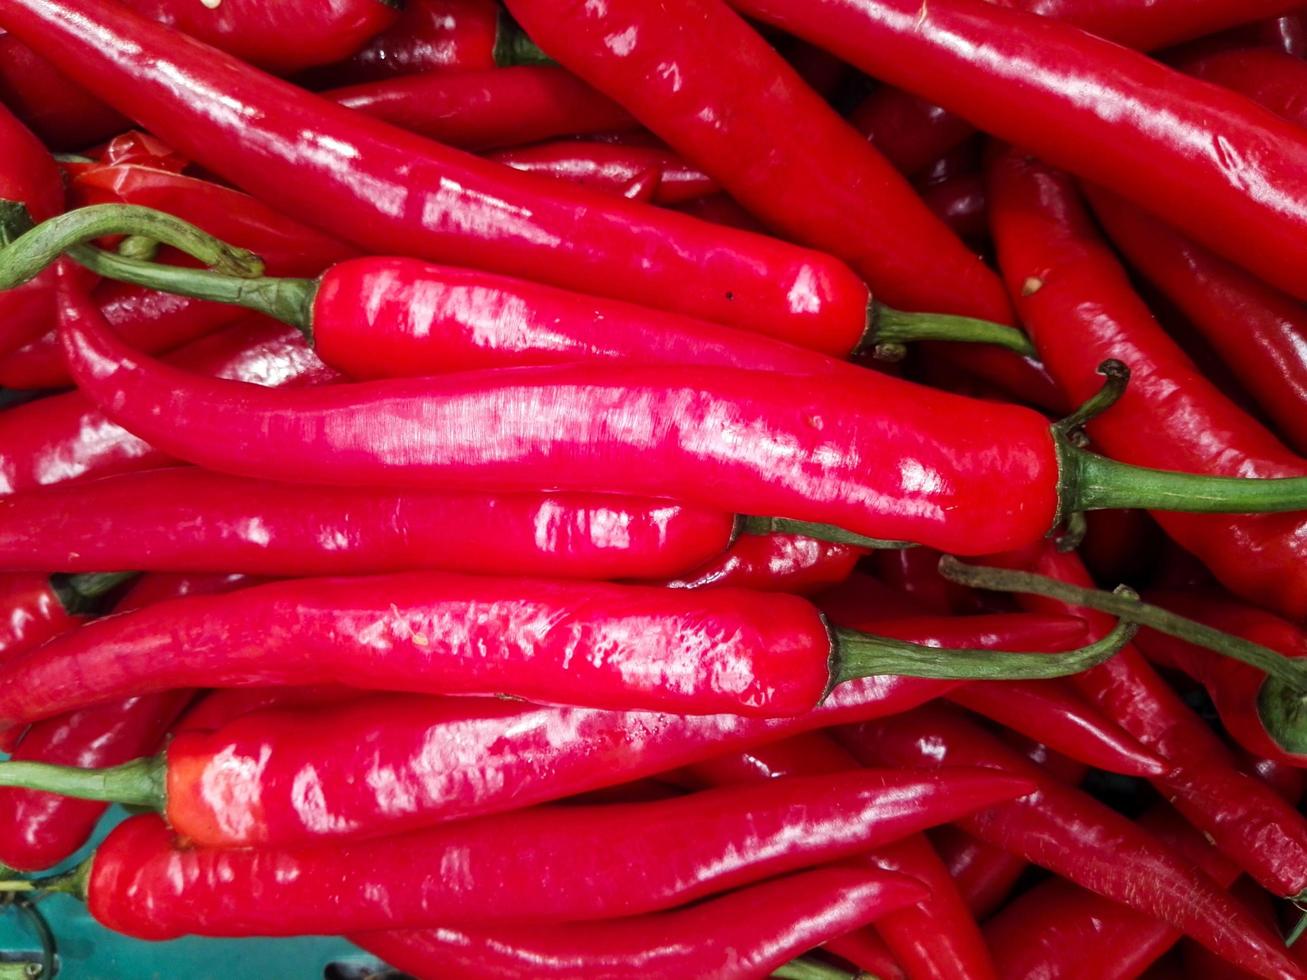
point(183, 519)
point(750, 932)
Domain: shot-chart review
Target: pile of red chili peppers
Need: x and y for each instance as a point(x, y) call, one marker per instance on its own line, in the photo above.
point(696, 489)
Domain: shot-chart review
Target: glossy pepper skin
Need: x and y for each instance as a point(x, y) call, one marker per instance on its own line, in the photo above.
point(774, 563)
point(1079, 307)
point(186, 519)
point(65, 437)
point(38, 830)
point(60, 112)
point(394, 192)
point(30, 613)
point(1259, 331)
point(459, 757)
point(773, 444)
point(1076, 837)
point(687, 847)
point(705, 82)
point(1054, 89)
point(490, 109)
point(747, 933)
point(613, 168)
point(1269, 77)
point(1249, 822)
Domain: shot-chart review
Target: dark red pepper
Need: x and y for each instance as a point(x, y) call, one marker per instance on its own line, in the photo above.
point(614, 168)
point(984, 874)
point(774, 563)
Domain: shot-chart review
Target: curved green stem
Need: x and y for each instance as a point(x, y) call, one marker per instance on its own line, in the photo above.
point(861, 655)
point(749, 524)
point(72, 882)
point(891, 328)
point(805, 968)
point(83, 593)
point(287, 300)
point(34, 250)
point(1285, 669)
point(140, 782)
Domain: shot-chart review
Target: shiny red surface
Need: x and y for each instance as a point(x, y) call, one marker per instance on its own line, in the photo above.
point(636, 858)
point(749, 932)
point(30, 613)
point(184, 519)
point(1076, 837)
point(393, 317)
point(396, 193)
point(213, 709)
point(701, 79)
point(581, 643)
point(1159, 138)
point(429, 35)
point(1260, 332)
point(774, 563)
point(1080, 308)
point(866, 452)
point(483, 110)
point(391, 763)
point(613, 168)
point(1270, 78)
point(65, 437)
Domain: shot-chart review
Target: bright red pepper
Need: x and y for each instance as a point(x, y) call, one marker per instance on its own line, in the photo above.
point(1072, 835)
point(459, 757)
point(773, 143)
point(190, 520)
point(1079, 307)
point(429, 35)
point(214, 709)
point(749, 932)
point(613, 168)
point(774, 563)
point(38, 830)
point(485, 110)
point(1268, 77)
point(1054, 89)
point(31, 612)
point(65, 437)
point(63, 114)
point(1260, 332)
point(868, 952)
point(139, 883)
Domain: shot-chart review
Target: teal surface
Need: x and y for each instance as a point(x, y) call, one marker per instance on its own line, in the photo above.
point(89, 952)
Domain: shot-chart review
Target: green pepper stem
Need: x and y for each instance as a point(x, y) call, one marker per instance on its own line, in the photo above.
point(1282, 709)
point(32, 251)
point(861, 655)
point(137, 783)
point(749, 524)
point(287, 300)
point(83, 593)
point(72, 882)
point(513, 47)
point(1287, 670)
point(804, 968)
point(891, 328)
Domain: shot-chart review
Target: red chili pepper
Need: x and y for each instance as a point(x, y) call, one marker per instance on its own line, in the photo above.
point(63, 114)
point(459, 757)
point(214, 709)
point(1245, 819)
point(774, 563)
point(613, 168)
point(1248, 706)
point(1268, 77)
point(65, 437)
point(430, 35)
point(909, 131)
point(749, 932)
point(960, 203)
point(602, 645)
point(1198, 962)
point(1057, 929)
point(720, 209)
point(1258, 331)
point(1287, 34)
point(139, 883)
point(1054, 89)
point(31, 612)
point(868, 952)
point(38, 830)
point(1072, 835)
point(191, 520)
point(984, 875)
point(821, 185)
point(915, 572)
point(484, 110)
point(1079, 306)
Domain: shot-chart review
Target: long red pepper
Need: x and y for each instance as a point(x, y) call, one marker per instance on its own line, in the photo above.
point(139, 883)
point(1246, 703)
point(934, 938)
point(747, 933)
point(394, 192)
point(63, 114)
point(1069, 833)
point(613, 168)
point(593, 644)
point(32, 611)
point(38, 830)
point(458, 757)
point(1054, 89)
point(185, 519)
point(65, 437)
point(1245, 819)
point(1270, 78)
point(774, 563)
point(774, 144)
point(1259, 331)
point(1079, 306)
point(486, 110)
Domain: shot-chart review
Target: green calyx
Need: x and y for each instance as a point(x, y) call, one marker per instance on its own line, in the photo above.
point(141, 782)
point(85, 593)
point(1282, 708)
point(807, 968)
point(889, 331)
point(747, 524)
point(856, 655)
